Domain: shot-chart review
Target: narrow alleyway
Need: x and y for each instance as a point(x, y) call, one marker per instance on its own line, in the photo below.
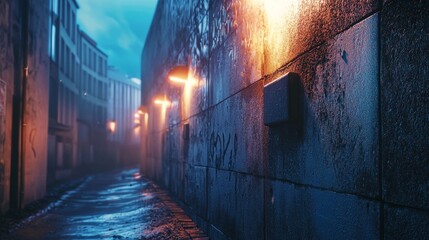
point(119, 205)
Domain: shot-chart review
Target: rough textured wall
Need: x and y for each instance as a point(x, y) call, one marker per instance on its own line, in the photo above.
point(405, 118)
point(37, 101)
point(7, 76)
point(36, 115)
point(320, 178)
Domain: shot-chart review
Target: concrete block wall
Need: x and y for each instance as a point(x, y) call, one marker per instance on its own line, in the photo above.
point(404, 101)
point(355, 167)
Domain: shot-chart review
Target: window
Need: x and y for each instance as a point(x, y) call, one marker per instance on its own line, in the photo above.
point(68, 22)
point(84, 54)
point(72, 68)
point(94, 65)
point(73, 27)
point(100, 90)
point(89, 58)
point(90, 84)
point(67, 66)
point(77, 74)
point(103, 96)
point(53, 42)
point(100, 66)
point(78, 45)
point(63, 11)
point(62, 55)
point(105, 68)
point(54, 6)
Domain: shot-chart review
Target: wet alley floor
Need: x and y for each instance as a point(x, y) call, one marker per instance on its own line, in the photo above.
point(119, 205)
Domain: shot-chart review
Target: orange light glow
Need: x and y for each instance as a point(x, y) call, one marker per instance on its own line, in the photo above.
point(137, 115)
point(179, 74)
point(142, 110)
point(137, 121)
point(137, 130)
point(178, 80)
point(111, 126)
point(163, 102)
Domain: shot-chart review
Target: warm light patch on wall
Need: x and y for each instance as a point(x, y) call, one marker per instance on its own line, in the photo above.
point(161, 105)
point(282, 22)
point(283, 29)
point(189, 90)
point(163, 102)
point(136, 130)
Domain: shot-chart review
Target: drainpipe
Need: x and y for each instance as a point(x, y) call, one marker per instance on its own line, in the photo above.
point(24, 34)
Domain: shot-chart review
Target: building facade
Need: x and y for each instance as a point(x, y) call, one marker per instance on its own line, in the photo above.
point(350, 163)
point(24, 96)
point(78, 91)
point(124, 102)
point(63, 89)
point(93, 102)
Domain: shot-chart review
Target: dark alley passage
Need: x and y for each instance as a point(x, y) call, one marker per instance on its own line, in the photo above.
point(118, 205)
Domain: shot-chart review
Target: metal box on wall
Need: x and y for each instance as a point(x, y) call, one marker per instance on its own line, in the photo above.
point(281, 100)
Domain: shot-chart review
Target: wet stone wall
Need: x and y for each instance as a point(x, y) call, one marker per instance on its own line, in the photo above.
point(343, 171)
point(37, 101)
point(37, 95)
point(6, 88)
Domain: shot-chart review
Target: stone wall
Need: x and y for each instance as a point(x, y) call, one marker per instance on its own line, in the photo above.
point(36, 101)
point(7, 72)
point(354, 167)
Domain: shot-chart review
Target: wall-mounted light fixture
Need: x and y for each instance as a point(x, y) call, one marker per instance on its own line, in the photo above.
point(111, 126)
point(164, 102)
point(281, 100)
point(179, 74)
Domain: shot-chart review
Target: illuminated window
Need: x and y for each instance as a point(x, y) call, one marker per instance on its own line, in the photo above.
point(53, 42)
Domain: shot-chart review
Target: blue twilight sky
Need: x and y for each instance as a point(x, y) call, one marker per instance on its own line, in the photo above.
point(119, 27)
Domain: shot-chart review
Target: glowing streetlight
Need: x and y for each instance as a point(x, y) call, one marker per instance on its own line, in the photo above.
point(163, 102)
point(179, 74)
point(111, 126)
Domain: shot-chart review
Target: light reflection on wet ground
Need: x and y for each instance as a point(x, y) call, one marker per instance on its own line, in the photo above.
point(108, 206)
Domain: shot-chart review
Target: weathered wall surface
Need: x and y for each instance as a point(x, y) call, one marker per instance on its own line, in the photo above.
point(37, 101)
point(37, 94)
point(342, 172)
point(405, 118)
point(7, 76)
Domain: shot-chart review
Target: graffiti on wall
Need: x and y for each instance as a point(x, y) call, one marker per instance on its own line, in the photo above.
point(222, 147)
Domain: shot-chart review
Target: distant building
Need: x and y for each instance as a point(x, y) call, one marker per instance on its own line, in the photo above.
point(78, 94)
point(63, 89)
point(93, 85)
point(124, 101)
